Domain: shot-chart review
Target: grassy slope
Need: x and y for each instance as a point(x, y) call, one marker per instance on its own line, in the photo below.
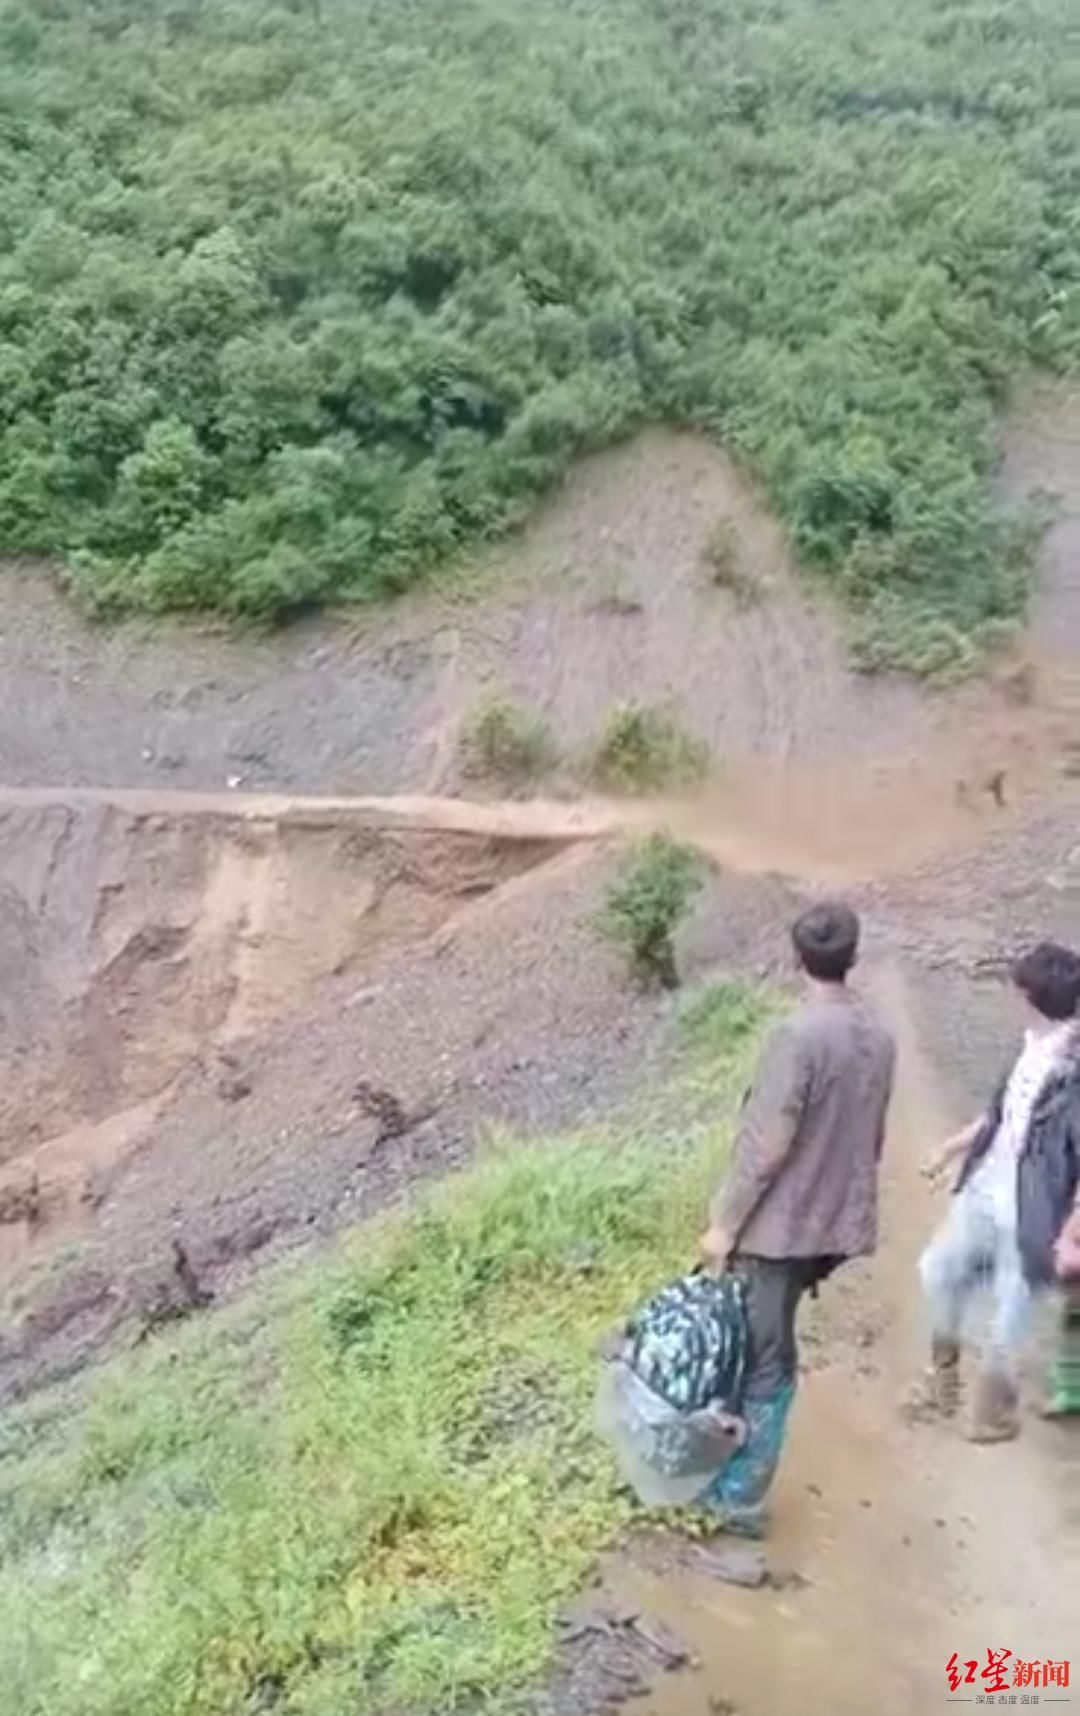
point(370, 1489)
point(294, 299)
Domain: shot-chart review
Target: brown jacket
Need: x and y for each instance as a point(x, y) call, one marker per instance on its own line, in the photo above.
point(803, 1182)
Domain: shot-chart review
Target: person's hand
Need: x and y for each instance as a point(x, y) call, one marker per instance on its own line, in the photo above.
point(1067, 1250)
point(716, 1247)
point(941, 1160)
point(936, 1166)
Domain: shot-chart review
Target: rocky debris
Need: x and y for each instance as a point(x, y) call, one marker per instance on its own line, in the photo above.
point(177, 1296)
point(1067, 877)
point(1019, 684)
point(233, 1087)
point(21, 1202)
point(603, 1616)
point(607, 1617)
point(617, 604)
point(663, 1642)
point(392, 1119)
point(732, 1564)
point(969, 789)
point(229, 1075)
point(608, 1652)
point(96, 1187)
point(241, 1241)
point(84, 1295)
point(725, 1559)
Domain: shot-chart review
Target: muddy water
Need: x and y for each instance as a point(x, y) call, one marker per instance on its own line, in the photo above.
point(915, 1544)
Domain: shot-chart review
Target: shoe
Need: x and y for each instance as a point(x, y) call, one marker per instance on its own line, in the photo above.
point(996, 1415)
point(1059, 1406)
point(937, 1392)
point(1063, 1401)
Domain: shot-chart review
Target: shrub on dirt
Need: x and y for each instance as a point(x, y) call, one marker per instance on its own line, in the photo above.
point(648, 901)
point(723, 555)
point(643, 749)
point(507, 740)
point(370, 1486)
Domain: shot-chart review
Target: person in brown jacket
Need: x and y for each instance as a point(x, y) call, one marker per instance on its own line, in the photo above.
point(802, 1193)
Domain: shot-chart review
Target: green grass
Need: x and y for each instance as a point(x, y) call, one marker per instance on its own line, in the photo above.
point(367, 1489)
point(723, 1016)
point(298, 299)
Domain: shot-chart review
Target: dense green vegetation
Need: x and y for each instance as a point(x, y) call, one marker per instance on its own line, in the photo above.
point(297, 297)
point(368, 1490)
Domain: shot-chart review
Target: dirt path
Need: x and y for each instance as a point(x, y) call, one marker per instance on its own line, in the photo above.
point(914, 1543)
point(530, 819)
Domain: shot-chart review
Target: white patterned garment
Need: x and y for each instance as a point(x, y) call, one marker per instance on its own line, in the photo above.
point(995, 1178)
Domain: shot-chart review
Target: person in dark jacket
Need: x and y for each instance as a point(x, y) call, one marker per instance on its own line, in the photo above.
point(1016, 1191)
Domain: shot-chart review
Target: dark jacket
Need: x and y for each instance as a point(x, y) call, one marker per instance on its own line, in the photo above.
point(804, 1176)
point(1048, 1172)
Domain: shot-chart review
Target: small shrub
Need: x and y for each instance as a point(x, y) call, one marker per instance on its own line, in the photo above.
point(616, 597)
point(647, 903)
point(505, 739)
point(723, 557)
point(642, 749)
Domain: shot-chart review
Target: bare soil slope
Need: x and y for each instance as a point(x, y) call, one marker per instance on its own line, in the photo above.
point(607, 594)
point(233, 1017)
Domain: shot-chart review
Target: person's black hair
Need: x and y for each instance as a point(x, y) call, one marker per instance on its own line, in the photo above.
point(827, 941)
point(1049, 977)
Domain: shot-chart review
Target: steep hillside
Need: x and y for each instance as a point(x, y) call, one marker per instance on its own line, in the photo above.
point(296, 299)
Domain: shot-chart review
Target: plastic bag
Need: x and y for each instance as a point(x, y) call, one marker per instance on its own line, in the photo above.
point(667, 1456)
point(689, 1343)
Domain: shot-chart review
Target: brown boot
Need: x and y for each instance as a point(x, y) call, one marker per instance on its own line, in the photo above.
point(937, 1393)
point(996, 1415)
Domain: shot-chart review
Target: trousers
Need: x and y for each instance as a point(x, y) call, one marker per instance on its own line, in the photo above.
point(774, 1289)
point(1065, 1373)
